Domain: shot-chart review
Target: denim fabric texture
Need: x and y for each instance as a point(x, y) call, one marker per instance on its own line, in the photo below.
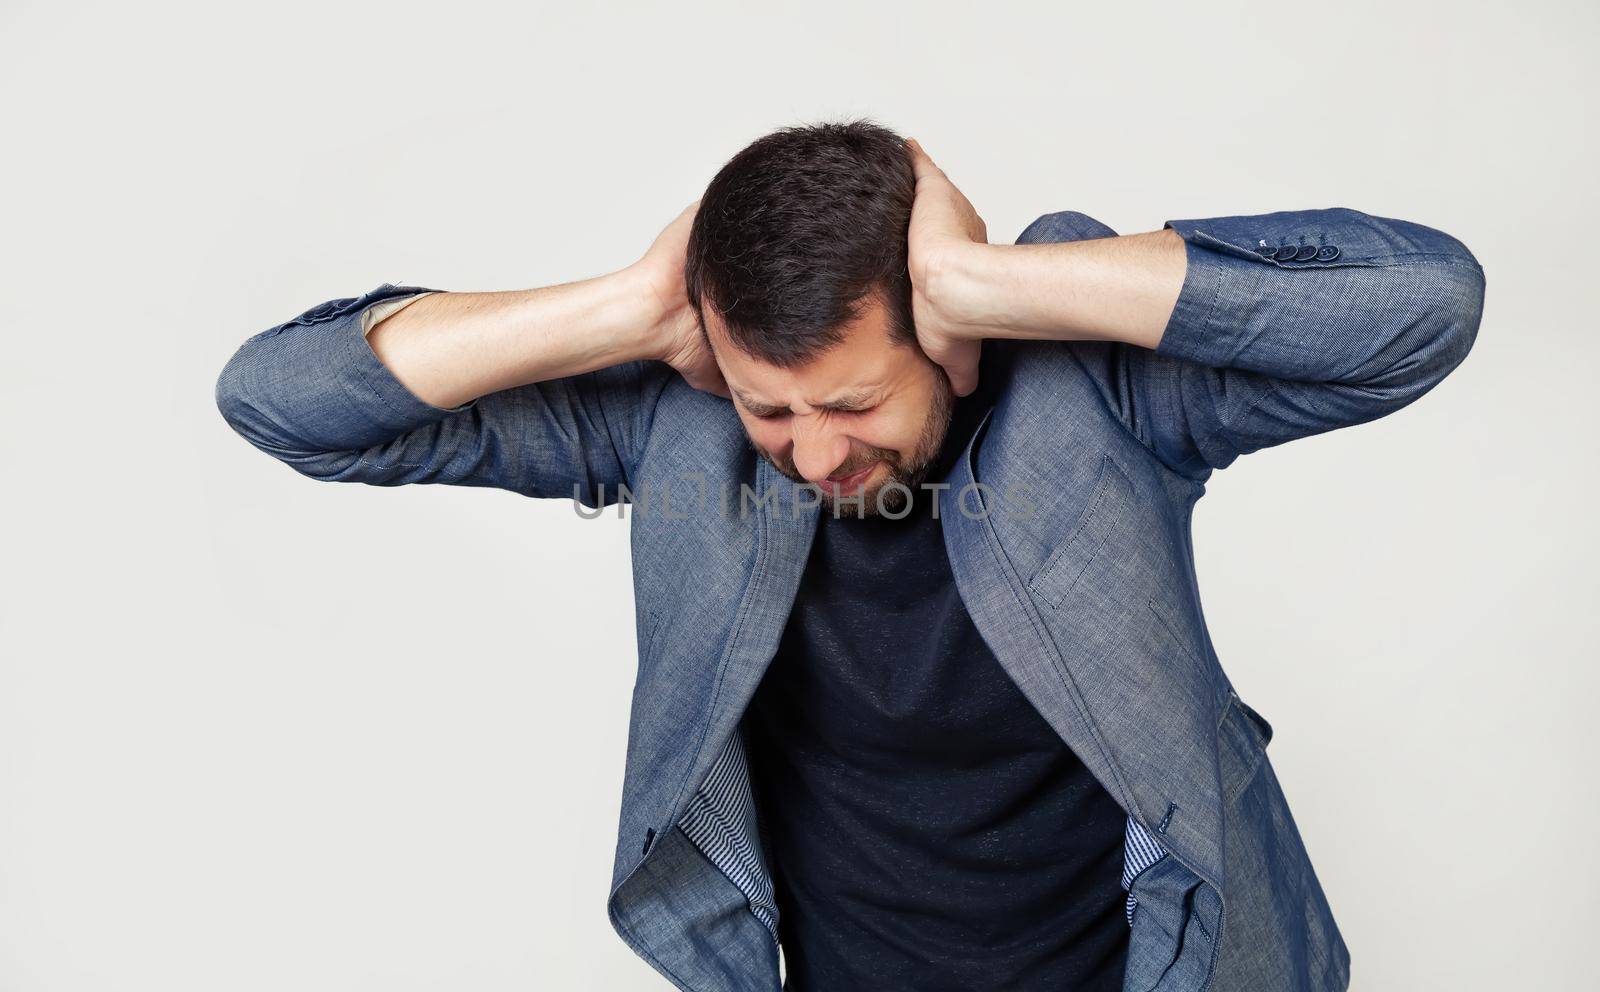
point(1288, 324)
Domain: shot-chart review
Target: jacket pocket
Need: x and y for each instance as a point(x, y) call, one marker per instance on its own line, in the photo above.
point(1242, 739)
point(649, 633)
point(1263, 728)
point(1083, 541)
point(1173, 945)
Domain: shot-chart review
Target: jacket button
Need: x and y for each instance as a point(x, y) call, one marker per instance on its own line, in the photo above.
point(1306, 253)
point(1265, 250)
point(1286, 253)
point(1327, 253)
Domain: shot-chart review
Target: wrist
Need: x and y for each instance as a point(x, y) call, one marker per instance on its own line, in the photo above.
point(640, 316)
point(963, 289)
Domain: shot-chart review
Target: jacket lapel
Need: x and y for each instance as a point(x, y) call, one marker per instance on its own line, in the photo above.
point(785, 520)
point(1073, 685)
point(995, 598)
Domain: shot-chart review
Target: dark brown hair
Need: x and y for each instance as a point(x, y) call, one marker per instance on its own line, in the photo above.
point(799, 230)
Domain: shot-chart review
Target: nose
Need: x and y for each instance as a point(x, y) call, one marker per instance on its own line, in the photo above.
point(818, 450)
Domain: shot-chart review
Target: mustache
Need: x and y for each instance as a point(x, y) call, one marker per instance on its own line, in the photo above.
point(868, 456)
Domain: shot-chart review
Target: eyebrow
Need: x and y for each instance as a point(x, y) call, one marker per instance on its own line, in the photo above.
point(858, 399)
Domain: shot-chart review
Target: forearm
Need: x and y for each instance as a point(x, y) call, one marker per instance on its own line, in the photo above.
point(451, 348)
point(1331, 296)
point(1120, 288)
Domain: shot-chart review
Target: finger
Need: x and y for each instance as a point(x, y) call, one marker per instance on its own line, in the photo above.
point(704, 385)
point(921, 165)
point(711, 381)
point(961, 368)
point(958, 360)
point(686, 215)
point(964, 381)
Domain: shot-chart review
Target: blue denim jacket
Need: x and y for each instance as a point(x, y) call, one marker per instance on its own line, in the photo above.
point(1068, 531)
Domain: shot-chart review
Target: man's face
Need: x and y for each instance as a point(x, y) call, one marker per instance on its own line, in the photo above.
point(865, 413)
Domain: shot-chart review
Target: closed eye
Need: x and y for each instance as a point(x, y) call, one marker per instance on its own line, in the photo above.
point(768, 414)
point(762, 412)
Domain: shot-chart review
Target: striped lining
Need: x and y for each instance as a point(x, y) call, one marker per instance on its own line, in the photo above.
point(721, 821)
point(1139, 851)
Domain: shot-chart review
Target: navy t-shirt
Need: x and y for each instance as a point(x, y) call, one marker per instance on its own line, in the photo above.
point(927, 829)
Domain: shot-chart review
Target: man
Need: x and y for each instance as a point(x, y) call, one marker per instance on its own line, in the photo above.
point(925, 693)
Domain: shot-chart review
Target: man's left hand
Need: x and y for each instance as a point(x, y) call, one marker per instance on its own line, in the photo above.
point(943, 225)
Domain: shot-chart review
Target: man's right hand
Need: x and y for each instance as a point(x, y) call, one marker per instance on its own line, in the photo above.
point(682, 343)
point(449, 348)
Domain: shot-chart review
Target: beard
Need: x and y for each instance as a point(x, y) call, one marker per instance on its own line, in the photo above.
point(908, 469)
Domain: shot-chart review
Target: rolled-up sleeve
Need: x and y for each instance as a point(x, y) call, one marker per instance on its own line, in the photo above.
point(1295, 323)
point(1324, 295)
point(313, 384)
point(313, 394)
point(1287, 324)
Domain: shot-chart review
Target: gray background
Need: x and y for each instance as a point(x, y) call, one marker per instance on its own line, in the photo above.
point(258, 733)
